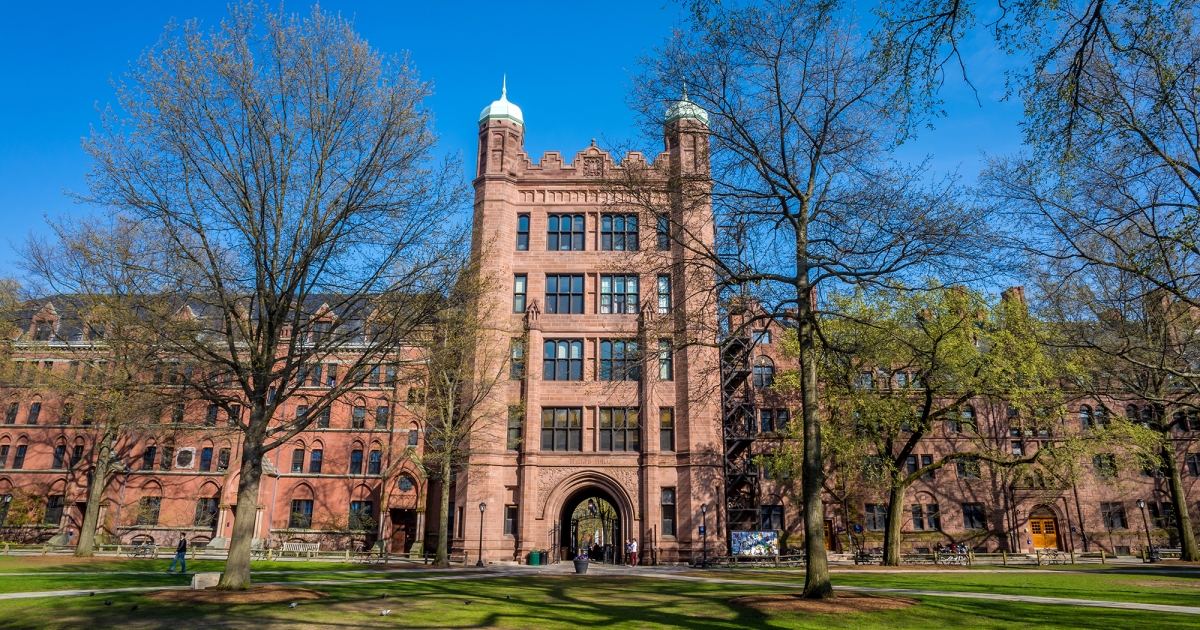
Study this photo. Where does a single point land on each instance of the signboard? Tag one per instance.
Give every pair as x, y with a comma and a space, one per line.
857, 528
701, 530
755, 543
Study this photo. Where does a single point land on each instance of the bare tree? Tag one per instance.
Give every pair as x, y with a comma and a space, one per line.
802, 116
283, 171
465, 355
1110, 204
112, 351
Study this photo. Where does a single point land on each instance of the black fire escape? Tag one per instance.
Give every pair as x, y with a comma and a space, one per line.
737, 405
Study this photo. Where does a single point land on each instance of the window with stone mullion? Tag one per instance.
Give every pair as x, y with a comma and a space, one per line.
562, 429
619, 360
564, 294
565, 232
619, 429
562, 360
619, 232
618, 295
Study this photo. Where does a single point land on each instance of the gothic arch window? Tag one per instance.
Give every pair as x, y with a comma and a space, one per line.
1086, 420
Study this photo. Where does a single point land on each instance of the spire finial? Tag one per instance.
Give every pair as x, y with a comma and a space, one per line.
504, 86
685, 92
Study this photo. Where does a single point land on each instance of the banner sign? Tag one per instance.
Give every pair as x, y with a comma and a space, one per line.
755, 543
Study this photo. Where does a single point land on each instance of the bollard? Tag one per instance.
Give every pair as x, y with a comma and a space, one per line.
970, 558
6, 549
1072, 556
935, 556
270, 553
1144, 555
1004, 557
1039, 556
347, 555
1102, 556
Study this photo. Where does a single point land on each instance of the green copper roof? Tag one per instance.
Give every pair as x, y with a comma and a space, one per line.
502, 109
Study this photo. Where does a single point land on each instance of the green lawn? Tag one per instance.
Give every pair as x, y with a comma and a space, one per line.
568, 601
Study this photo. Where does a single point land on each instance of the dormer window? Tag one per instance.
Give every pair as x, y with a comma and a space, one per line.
43, 330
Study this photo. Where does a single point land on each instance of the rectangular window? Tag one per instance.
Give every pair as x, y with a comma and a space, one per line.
177, 413
664, 294
562, 429
373, 376
618, 295
301, 516
148, 457
314, 375
413, 436
450, 520
358, 419
520, 289
1193, 464
974, 516
926, 517
968, 468
876, 517
235, 415
562, 360
514, 428
206, 459
3, 456
619, 429
772, 517
762, 337
147, 514
510, 520
1018, 449
619, 232
516, 364
1113, 515
210, 417
76, 454
323, 419
361, 515
522, 232
331, 375
381, 417
35, 410
666, 361
314, 461
375, 462
663, 234
564, 232
564, 294
68, 413
911, 464
223, 459
298, 460
89, 415
206, 512
10, 416
927, 460
668, 511
60, 457
1105, 465
19, 457
666, 430
619, 360
356, 457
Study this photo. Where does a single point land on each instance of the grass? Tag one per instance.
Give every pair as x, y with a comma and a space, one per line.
568, 601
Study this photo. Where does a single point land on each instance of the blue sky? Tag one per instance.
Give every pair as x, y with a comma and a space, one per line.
568, 65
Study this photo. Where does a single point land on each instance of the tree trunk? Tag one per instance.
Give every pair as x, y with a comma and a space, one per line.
237, 563
100, 477
816, 569
442, 558
891, 534
1183, 521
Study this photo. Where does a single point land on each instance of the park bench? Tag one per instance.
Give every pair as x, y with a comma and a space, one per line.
300, 548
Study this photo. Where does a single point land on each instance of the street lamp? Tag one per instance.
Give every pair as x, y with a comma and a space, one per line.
704, 530
1150, 555
482, 507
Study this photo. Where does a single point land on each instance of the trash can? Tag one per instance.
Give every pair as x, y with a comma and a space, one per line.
535, 558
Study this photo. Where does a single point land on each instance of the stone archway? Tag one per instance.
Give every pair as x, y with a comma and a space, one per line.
575, 488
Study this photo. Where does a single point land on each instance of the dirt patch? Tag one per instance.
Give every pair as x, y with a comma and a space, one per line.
841, 604
255, 595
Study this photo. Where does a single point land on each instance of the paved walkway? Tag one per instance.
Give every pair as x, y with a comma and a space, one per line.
662, 573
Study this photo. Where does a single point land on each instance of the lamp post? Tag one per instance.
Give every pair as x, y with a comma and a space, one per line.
1150, 555
704, 531
482, 507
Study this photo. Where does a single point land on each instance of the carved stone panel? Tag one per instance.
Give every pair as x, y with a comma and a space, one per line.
550, 478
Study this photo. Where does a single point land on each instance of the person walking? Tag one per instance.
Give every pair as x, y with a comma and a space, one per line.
180, 555
633, 552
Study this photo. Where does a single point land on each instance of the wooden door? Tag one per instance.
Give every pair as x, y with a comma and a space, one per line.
404, 530
1044, 532
828, 535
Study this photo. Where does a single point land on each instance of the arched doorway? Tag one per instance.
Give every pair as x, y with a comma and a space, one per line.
1043, 528
591, 523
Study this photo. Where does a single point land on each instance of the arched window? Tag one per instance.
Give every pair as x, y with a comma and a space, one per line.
764, 372
1148, 419
1131, 412
149, 505
1085, 417
302, 508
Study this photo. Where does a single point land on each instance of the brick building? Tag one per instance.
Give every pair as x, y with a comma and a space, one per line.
606, 406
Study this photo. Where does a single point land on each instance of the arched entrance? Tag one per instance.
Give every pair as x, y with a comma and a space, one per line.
590, 522
1043, 528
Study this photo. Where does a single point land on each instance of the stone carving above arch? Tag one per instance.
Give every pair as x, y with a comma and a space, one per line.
565, 480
